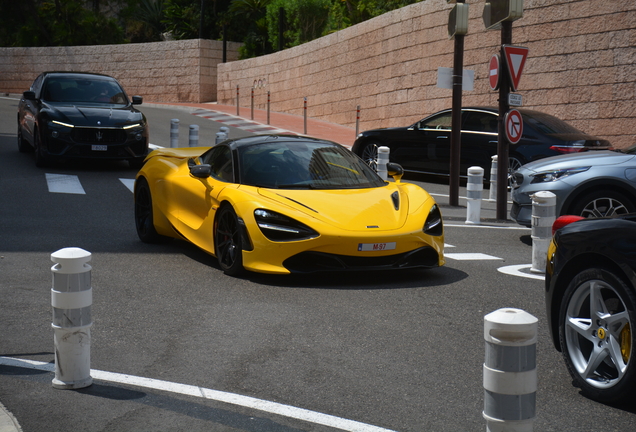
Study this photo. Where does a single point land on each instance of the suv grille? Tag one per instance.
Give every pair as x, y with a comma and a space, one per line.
99, 136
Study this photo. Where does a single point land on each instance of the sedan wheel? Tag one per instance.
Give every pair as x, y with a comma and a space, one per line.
370, 155
603, 204
40, 159
23, 146
143, 213
227, 241
595, 332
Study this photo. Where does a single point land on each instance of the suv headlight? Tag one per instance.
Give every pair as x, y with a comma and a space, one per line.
550, 176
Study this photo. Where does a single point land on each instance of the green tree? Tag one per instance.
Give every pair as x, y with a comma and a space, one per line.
305, 20
251, 15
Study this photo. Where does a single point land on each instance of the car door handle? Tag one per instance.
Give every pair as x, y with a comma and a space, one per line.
442, 137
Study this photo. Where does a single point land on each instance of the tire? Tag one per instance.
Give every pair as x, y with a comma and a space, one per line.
601, 204
369, 154
227, 241
596, 337
23, 146
40, 160
143, 213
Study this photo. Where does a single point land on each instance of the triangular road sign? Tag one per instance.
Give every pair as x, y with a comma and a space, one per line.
515, 59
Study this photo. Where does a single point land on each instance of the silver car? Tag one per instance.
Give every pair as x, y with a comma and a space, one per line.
589, 184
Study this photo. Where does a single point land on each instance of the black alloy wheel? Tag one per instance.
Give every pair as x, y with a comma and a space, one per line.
23, 146
595, 331
370, 155
227, 241
143, 213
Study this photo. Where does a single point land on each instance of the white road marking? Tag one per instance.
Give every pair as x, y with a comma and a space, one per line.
517, 270
62, 183
195, 391
470, 256
488, 226
129, 183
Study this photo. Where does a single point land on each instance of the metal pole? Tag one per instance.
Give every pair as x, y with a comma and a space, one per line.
357, 120
502, 144
268, 99
237, 99
252, 104
305, 114
456, 120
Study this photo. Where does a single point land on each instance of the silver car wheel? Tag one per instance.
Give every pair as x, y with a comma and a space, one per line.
604, 207
370, 155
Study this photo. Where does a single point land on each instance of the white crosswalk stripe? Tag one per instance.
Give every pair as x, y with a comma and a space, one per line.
63, 183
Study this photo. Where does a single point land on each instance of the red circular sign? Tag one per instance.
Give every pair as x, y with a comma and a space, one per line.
493, 72
513, 122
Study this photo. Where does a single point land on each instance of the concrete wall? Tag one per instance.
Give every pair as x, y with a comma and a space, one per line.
581, 67
171, 71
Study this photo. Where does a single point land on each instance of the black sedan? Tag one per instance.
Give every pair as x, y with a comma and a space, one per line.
424, 147
591, 303
69, 115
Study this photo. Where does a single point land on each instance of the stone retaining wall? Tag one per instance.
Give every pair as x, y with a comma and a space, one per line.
581, 67
171, 71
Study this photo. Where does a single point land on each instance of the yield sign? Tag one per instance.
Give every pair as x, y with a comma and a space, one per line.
516, 60
513, 123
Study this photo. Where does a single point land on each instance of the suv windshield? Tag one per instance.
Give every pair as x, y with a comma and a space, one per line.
304, 165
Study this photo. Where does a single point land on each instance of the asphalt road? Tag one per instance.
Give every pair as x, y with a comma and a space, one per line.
400, 351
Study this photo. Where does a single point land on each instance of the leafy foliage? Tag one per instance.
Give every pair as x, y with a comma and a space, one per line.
255, 23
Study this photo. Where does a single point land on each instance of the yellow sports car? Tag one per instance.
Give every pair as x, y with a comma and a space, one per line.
287, 204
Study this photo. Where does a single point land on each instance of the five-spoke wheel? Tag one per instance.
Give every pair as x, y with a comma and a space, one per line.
595, 332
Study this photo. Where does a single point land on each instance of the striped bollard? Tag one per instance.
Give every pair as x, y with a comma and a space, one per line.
193, 140
510, 370
493, 180
71, 300
383, 159
474, 188
543, 217
174, 133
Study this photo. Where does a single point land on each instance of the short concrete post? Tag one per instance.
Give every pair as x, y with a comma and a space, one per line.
71, 300
493, 179
174, 133
225, 130
383, 159
220, 137
543, 217
193, 140
510, 370
474, 188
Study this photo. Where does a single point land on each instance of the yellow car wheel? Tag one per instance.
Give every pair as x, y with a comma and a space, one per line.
227, 241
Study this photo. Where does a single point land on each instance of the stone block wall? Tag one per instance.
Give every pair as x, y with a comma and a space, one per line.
581, 67
171, 71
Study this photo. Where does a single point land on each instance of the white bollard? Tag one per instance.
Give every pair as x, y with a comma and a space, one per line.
510, 370
71, 300
383, 159
474, 188
220, 137
493, 179
193, 137
543, 217
225, 130
174, 133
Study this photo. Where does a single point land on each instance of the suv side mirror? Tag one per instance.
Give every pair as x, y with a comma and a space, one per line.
137, 100
29, 95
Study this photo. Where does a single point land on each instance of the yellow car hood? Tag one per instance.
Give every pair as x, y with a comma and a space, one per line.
347, 209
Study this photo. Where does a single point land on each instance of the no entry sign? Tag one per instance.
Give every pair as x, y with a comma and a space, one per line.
493, 72
513, 123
